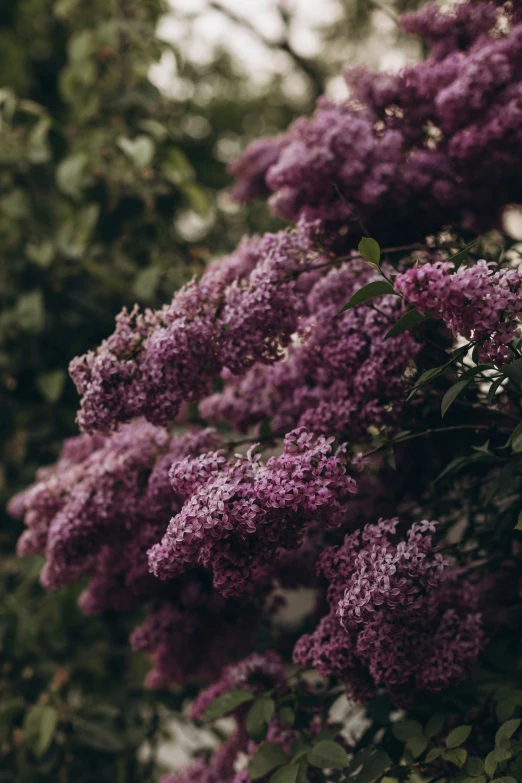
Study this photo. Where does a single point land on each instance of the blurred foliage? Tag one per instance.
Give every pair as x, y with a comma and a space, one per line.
110, 193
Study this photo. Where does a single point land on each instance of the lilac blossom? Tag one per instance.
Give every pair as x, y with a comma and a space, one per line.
237, 514
241, 312
337, 375
482, 305
399, 615
412, 152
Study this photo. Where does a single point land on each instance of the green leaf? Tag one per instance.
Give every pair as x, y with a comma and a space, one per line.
374, 765
140, 150
226, 703
458, 736
154, 128
15, 205
451, 395
370, 251
10, 709
513, 370
41, 254
38, 149
433, 754
287, 715
29, 311
493, 389
369, 291
50, 384
197, 197
518, 526
266, 758
176, 167
286, 774
490, 764
146, 282
416, 746
516, 438
507, 730
475, 767
457, 756
455, 465
97, 736
409, 319
327, 754
259, 715
70, 174
39, 727
435, 725
461, 256
501, 754
472, 371
506, 707
405, 730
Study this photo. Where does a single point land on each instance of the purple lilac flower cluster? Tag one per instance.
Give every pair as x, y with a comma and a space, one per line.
399, 616
97, 512
237, 514
476, 302
338, 376
409, 153
243, 311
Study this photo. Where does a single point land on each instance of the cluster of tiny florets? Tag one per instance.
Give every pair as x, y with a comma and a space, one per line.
241, 312
409, 152
238, 513
337, 376
399, 616
482, 305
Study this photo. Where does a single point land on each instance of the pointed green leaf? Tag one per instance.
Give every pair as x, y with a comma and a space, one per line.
493, 389
452, 394
50, 384
475, 767
259, 715
408, 320
368, 291
433, 754
457, 756
267, 757
39, 726
518, 526
226, 703
458, 736
435, 725
516, 438
461, 256
329, 755
407, 729
370, 251
286, 774
513, 370
507, 730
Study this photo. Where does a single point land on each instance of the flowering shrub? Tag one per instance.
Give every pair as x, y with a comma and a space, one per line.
340, 363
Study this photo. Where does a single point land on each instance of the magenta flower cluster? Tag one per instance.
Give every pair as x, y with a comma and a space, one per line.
399, 615
482, 305
243, 311
97, 512
338, 376
237, 514
411, 152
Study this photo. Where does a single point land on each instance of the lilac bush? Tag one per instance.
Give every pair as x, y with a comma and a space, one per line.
325, 371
